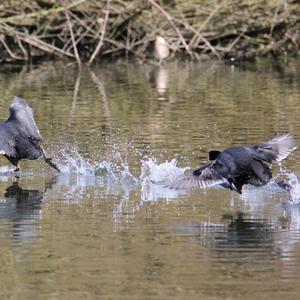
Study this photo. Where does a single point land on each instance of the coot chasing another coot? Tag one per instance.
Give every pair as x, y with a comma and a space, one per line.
20, 137
236, 166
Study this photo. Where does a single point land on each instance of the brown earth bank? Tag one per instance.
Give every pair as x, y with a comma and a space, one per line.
89, 30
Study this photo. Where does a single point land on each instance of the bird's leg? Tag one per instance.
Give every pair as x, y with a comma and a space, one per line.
16, 179
15, 162
48, 160
17, 169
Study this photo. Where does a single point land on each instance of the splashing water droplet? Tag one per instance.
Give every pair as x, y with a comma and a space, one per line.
154, 175
295, 188
74, 163
160, 173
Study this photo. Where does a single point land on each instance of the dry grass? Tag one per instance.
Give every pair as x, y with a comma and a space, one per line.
87, 30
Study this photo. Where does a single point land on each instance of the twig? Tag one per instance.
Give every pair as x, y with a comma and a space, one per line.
42, 13
22, 48
206, 42
36, 42
102, 34
119, 47
2, 40
88, 29
229, 47
274, 21
73, 39
206, 21
170, 20
73, 30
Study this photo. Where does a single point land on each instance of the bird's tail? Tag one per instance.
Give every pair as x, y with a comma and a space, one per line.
276, 149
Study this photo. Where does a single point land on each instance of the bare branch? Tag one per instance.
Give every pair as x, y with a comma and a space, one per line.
72, 37
36, 42
102, 34
170, 20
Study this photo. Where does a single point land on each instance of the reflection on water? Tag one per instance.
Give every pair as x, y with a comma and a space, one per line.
18, 207
20, 212
252, 235
106, 227
160, 78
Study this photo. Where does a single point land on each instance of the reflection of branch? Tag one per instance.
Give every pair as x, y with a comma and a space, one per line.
75, 95
102, 91
14, 85
170, 20
102, 35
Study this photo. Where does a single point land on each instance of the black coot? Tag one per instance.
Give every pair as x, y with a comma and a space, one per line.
237, 166
20, 137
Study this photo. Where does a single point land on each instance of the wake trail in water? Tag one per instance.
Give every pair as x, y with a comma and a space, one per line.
151, 170
79, 172
115, 174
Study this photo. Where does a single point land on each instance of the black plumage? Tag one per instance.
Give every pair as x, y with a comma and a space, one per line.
20, 137
236, 166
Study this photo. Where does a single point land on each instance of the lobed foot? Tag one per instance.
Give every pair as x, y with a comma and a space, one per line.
48, 160
17, 169
284, 185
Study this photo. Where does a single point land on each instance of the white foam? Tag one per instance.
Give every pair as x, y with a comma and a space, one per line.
295, 188
153, 177
160, 173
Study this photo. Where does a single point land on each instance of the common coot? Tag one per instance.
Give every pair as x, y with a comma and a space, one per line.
20, 137
236, 166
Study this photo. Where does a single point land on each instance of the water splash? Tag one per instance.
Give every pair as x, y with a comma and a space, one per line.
151, 172
154, 175
160, 173
6, 173
115, 176
75, 163
293, 181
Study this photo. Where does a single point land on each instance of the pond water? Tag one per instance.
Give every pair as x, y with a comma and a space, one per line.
107, 228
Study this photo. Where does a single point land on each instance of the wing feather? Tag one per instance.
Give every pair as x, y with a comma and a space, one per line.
276, 149
7, 141
203, 177
23, 114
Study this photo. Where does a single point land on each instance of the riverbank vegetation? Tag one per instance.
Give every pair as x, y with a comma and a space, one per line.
89, 30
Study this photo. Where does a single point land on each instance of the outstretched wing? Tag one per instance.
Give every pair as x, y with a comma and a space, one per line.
276, 149
203, 177
22, 113
7, 141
